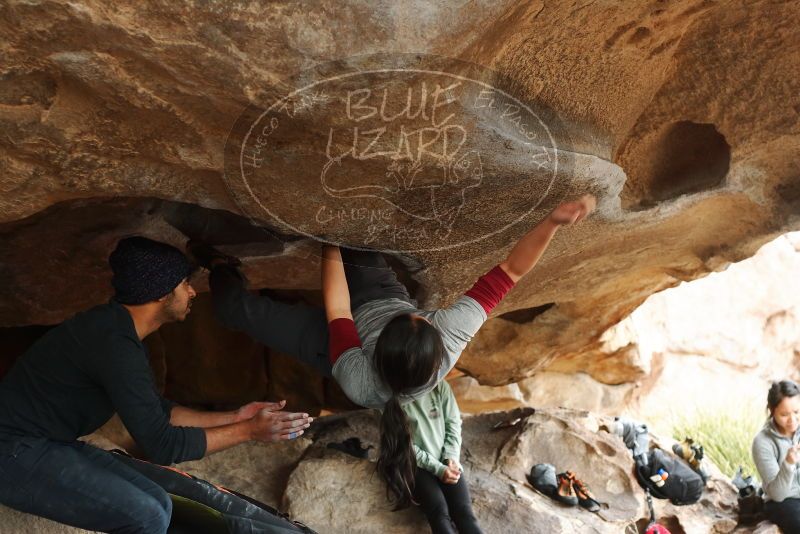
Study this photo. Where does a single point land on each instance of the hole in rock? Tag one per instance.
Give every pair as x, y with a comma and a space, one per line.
686, 157
526, 315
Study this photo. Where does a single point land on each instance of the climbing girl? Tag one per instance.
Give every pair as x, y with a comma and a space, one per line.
371, 337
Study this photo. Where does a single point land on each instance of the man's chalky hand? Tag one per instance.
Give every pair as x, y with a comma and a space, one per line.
271, 425
248, 411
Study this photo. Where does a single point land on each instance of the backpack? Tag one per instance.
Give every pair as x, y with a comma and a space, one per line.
682, 484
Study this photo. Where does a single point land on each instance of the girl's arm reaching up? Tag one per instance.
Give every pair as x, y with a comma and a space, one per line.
529, 249
490, 288
334, 285
341, 328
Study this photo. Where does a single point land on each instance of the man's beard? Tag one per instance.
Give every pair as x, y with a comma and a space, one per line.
173, 313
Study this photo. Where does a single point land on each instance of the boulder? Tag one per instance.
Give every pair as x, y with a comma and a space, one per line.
116, 121
496, 462
334, 492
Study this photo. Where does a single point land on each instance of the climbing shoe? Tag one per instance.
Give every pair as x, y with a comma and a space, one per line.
585, 499
565, 494
543, 478
204, 255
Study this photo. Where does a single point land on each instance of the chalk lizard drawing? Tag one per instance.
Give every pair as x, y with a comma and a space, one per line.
440, 200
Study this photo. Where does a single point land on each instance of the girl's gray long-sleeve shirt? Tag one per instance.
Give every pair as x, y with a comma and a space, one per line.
355, 370
779, 478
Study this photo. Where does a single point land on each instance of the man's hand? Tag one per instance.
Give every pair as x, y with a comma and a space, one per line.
573, 212
452, 473
248, 411
268, 425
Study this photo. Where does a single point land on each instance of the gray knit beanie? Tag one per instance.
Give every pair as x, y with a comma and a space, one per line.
146, 270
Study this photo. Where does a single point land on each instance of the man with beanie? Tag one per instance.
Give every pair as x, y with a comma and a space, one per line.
73, 379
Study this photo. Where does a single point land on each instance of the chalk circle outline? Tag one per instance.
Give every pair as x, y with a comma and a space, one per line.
287, 98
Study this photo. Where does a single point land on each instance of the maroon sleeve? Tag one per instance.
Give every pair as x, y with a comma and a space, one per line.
490, 288
343, 336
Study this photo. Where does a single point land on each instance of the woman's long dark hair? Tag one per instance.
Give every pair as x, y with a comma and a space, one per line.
408, 353
779, 391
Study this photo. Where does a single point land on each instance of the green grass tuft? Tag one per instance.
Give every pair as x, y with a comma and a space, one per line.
726, 434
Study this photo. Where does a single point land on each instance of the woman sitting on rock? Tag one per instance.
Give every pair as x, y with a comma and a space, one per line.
776, 452
371, 337
440, 487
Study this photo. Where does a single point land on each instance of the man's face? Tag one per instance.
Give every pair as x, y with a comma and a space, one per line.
178, 304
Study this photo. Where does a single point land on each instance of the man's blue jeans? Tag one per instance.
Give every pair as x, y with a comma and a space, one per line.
82, 486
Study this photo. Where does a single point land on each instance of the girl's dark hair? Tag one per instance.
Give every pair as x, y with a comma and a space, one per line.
408, 353
779, 391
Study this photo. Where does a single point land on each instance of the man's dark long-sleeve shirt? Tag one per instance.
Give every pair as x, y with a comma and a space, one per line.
73, 379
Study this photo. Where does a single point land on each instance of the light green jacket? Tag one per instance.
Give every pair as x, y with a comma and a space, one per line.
435, 423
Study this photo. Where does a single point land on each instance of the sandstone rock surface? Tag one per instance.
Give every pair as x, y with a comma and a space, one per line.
682, 117
334, 492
